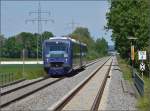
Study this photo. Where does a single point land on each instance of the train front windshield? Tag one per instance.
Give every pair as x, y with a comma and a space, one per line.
56, 50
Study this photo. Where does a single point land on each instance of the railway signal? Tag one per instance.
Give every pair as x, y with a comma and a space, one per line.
142, 66
142, 56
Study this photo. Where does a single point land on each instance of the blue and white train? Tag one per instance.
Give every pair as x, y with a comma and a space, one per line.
61, 55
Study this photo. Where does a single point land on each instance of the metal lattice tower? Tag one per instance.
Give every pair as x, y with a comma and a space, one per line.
39, 20
73, 25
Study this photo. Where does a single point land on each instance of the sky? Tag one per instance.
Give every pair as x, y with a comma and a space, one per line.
90, 14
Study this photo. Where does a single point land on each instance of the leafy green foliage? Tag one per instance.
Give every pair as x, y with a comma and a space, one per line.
84, 36
129, 18
101, 46
96, 48
13, 46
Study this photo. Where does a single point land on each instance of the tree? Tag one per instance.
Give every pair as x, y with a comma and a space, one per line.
2, 39
95, 49
2, 42
129, 18
101, 46
82, 34
13, 46
46, 35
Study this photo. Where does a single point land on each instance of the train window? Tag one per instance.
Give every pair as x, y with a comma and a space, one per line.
56, 47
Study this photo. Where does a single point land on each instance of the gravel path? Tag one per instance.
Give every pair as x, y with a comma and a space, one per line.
43, 99
114, 98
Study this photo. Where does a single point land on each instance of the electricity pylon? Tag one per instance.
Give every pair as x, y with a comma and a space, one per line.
39, 20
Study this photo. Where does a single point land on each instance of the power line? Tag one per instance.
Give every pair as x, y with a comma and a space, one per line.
39, 20
73, 25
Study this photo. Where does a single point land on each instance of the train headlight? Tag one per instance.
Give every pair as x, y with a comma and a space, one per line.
47, 59
66, 59
47, 55
65, 55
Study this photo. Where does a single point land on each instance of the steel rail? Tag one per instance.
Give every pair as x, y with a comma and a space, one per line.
100, 92
39, 80
33, 91
12, 83
60, 104
29, 93
21, 87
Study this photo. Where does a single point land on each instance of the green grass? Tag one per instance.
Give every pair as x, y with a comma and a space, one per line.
125, 68
30, 71
144, 102
18, 59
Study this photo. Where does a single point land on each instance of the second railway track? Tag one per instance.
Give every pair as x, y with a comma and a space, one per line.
24, 92
17, 93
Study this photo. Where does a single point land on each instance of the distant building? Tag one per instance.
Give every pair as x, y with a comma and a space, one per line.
111, 50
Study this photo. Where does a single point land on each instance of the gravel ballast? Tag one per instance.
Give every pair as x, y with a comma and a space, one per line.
46, 97
10, 87
114, 97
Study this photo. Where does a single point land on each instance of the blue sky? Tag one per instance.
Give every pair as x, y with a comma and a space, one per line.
90, 14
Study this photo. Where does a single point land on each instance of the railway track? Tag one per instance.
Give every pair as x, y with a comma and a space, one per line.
20, 92
76, 100
6, 90
17, 94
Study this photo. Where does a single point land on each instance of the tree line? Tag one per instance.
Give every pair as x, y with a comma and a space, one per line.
96, 48
130, 18
12, 47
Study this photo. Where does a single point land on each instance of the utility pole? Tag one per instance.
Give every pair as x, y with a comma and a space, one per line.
0, 54
39, 20
73, 25
132, 53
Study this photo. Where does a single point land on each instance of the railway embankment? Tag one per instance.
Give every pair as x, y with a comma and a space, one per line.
143, 103
119, 93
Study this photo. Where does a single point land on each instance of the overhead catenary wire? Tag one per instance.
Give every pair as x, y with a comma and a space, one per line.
73, 25
39, 21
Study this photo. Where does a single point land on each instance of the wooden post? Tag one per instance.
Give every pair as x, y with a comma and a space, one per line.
23, 57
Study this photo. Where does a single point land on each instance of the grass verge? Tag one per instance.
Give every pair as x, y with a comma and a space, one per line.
19, 59
125, 68
143, 103
30, 71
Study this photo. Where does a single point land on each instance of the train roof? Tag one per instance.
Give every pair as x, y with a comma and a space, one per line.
66, 38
